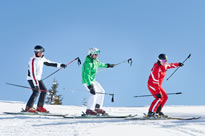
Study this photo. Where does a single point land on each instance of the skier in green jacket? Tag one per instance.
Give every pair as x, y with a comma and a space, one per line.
89, 71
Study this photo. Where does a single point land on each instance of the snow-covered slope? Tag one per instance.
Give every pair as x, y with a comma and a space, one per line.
19, 125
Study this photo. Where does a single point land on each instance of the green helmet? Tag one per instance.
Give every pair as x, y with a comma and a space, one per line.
93, 51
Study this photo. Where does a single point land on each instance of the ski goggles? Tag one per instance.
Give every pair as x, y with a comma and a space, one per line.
39, 50
96, 52
164, 61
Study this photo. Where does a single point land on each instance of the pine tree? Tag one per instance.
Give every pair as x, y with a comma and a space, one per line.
52, 97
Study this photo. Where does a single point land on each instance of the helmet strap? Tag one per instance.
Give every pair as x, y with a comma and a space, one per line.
36, 54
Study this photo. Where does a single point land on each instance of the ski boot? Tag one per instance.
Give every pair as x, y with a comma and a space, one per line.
28, 109
101, 112
162, 115
152, 115
90, 112
41, 109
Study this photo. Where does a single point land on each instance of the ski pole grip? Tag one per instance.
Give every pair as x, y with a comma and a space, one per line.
112, 100
179, 93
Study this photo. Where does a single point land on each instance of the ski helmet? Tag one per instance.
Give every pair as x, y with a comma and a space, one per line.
93, 51
38, 48
162, 57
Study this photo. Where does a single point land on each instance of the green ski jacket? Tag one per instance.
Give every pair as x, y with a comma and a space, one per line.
89, 70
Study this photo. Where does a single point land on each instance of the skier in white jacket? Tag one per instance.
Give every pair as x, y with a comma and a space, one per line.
35, 70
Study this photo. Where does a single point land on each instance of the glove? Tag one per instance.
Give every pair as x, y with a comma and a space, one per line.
159, 95
91, 88
63, 66
181, 64
110, 65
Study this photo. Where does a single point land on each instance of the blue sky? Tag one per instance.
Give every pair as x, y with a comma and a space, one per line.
121, 29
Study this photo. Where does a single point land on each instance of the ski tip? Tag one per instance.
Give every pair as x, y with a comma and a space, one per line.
197, 117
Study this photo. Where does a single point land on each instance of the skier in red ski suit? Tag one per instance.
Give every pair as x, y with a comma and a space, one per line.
156, 78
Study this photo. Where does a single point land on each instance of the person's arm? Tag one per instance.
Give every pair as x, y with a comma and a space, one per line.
102, 65
155, 76
33, 72
174, 65
87, 73
53, 64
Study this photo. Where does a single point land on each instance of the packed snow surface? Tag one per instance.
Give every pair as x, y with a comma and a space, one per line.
31, 125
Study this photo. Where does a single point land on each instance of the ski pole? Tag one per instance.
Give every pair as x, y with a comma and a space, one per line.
79, 62
129, 62
155, 95
25, 87
111, 94
179, 67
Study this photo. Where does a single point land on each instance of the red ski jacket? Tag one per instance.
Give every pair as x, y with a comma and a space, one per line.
158, 73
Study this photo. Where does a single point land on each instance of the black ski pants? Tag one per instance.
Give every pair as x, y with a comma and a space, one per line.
35, 93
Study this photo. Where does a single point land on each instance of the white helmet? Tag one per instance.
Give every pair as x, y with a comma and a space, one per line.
93, 51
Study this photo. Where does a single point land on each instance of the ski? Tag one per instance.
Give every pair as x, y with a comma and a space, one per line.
84, 116
168, 118
35, 113
185, 118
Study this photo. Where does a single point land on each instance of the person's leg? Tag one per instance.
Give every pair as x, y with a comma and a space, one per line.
33, 97
100, 97
159, 109
164, 98
42, 94
92, 100
156, 102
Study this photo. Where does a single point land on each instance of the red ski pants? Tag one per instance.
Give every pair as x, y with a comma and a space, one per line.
158, 102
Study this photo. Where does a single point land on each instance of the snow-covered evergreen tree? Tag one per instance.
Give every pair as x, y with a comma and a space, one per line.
52, 97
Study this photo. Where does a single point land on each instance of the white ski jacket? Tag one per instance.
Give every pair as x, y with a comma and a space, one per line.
35, 68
